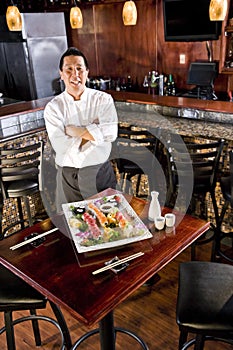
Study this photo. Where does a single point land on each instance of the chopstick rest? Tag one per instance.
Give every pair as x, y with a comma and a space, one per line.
118, 262
117, 268
16, 246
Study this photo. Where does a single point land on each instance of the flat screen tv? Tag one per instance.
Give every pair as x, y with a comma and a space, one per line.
188, 20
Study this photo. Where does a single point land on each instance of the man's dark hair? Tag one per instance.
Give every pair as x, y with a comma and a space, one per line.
72, 51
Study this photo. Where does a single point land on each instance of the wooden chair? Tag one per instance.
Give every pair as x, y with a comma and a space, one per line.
204, 303
20, 177
17, 295
135, 152
221, 250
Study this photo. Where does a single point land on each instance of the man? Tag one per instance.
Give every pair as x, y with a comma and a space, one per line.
81, 125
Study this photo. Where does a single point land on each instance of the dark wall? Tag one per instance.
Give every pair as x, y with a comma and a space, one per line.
117, 50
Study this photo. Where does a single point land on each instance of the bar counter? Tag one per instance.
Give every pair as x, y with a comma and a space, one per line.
23, 122
187, 116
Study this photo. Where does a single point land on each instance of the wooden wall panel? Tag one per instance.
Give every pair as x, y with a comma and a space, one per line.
85, 38
117, 50
125, 50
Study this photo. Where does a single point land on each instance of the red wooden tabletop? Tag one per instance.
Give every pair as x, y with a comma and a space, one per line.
65, 277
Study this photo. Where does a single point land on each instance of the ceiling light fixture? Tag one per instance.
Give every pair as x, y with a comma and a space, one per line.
13, 18
129, 13
76, 17
218, 10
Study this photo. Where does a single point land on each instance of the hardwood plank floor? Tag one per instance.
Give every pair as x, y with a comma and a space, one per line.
150, 312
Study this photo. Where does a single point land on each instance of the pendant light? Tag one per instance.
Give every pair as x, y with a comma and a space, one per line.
13, 18
129, 13
76, 17
218, 10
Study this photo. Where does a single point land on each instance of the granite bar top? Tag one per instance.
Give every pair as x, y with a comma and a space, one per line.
212, 119
185, 121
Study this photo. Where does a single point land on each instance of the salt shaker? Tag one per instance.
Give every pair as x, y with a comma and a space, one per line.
154, 208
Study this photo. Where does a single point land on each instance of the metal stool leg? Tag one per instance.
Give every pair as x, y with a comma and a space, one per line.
28, 209
36, 329
62, 323
10, 337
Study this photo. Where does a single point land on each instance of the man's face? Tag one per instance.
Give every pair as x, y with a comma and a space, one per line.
74, 74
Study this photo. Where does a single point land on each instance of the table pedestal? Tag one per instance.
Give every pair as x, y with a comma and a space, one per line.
107, 333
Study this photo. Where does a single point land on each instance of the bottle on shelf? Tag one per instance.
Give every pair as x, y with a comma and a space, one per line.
149, 82
173, 89
161, 85
170, 86
154, 82
129, 84
229, 55
145, 83
123, 84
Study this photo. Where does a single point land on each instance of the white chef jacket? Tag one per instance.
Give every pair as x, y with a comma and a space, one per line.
96, 111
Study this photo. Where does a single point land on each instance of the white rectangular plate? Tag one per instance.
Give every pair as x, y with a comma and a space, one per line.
120, 223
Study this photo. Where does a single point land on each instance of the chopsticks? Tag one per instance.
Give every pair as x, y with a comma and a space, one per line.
119, 262
33, 239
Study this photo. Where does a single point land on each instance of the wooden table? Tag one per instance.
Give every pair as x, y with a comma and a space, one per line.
65, 277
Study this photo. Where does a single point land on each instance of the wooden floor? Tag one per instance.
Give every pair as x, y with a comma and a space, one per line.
150, 312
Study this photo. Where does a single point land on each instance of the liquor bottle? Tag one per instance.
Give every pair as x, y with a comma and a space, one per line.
123, 84
161, 85
173, 89
154, 208
129, 83
169, 85
149, 82
154, 83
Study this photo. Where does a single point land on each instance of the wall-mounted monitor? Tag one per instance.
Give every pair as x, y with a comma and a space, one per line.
188, 20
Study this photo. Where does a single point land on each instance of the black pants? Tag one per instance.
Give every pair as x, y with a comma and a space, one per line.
79, 184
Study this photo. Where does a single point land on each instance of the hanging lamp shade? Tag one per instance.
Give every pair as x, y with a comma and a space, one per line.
218, 10
76, 18
129, 13
13, 18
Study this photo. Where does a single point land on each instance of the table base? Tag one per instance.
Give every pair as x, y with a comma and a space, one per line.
107, 333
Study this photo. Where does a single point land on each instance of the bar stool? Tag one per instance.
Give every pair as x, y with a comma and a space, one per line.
204, 158
17, 295
205, 303
20, 177
227, 192
135, 150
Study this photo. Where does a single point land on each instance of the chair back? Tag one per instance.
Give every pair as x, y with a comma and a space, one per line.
20, 164
135, 148
192, 164
206, 160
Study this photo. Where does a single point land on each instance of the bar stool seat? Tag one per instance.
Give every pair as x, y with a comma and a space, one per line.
17, 295
205, 303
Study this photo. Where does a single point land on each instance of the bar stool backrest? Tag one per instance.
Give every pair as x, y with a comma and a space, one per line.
135, 150
20, 177
19, 164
